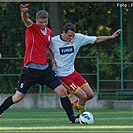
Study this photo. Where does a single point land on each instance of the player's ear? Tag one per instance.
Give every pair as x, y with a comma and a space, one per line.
63, 32
36, 21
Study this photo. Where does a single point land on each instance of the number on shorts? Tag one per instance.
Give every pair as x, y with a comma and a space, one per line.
73, 86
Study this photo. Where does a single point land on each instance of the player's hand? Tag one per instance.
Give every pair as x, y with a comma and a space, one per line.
24, 8
54, 68
116, 33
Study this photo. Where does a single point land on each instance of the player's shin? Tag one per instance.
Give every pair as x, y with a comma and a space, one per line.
81, 108
66, 104
67, 107
6, 104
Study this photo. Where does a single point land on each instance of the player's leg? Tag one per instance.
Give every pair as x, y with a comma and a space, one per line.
11, 100
89, 92
83, 84
70, 84
80, 81
52, 81
81, 102
25, 83
17, 97
6, 104
66, 104
74, 104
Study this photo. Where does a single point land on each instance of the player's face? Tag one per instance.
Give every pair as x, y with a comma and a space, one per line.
68, 36
42, 23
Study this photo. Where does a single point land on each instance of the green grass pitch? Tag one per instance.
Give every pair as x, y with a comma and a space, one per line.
56, 120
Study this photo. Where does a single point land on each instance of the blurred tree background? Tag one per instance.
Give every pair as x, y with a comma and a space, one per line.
90, 18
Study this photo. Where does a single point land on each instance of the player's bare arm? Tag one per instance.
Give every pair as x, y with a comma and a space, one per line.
104, 38
51, 56
25, 15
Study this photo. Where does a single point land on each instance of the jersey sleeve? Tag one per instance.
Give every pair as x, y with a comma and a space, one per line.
33, 28
84, 39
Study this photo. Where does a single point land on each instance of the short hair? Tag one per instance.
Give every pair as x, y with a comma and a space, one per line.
42, 14
69, 26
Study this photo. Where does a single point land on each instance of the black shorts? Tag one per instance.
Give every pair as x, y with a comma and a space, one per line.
31, 77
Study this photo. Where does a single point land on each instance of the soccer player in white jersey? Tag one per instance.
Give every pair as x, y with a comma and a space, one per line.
65, 48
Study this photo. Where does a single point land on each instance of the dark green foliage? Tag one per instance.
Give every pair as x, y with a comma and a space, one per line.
91, 18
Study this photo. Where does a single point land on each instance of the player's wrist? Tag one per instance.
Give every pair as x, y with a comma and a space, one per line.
24, 11
53, 61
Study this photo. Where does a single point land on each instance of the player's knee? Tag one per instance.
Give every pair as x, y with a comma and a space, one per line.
17, 99
90, 96
61, 91
83, 97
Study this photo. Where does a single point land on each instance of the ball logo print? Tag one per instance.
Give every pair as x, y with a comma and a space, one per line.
86, 118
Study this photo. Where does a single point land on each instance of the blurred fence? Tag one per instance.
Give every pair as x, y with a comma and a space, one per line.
114, 90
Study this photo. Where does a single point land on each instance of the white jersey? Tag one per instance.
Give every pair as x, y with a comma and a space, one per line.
65, 52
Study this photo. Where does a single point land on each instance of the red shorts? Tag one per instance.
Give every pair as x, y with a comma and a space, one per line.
73, 83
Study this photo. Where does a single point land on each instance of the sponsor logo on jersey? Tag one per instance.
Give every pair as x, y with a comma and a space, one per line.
66, 50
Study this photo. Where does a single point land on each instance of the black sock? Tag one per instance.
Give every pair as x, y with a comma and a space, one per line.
6, 104
66, 104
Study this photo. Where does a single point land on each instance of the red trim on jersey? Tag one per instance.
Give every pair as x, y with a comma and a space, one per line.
36, 45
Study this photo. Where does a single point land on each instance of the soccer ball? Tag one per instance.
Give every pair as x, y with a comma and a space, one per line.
86, 118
